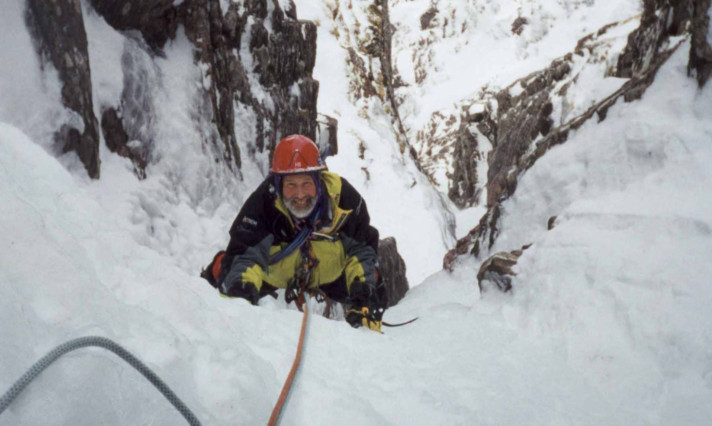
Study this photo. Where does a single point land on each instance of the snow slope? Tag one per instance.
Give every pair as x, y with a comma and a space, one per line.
608, 322
594, 333
624, 277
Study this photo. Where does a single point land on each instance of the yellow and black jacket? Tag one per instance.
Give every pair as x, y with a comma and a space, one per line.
344, 243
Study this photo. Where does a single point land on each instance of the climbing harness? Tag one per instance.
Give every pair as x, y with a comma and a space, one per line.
298, 242
321, 297
105, 343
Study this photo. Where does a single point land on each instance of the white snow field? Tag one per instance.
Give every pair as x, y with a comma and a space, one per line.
608, 321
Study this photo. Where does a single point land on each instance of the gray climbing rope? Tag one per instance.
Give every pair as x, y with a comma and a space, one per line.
105, 343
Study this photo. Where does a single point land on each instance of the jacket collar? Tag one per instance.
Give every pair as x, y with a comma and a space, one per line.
338, 216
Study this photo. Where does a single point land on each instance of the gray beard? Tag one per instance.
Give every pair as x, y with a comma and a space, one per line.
300, 213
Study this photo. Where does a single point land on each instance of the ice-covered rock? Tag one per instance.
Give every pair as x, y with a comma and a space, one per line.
60, 39
253, 59
155, 19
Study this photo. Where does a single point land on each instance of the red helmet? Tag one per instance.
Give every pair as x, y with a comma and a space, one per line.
296, 154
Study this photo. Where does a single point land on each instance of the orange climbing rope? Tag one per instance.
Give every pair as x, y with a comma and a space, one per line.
290, 378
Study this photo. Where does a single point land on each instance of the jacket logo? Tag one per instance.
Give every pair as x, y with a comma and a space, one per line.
249, 221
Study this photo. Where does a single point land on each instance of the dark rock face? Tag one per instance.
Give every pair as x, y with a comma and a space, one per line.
269, 78
373, 75
551, 223
643, 42
392, 269
155, 19
519, 24
519, 121
283, 63
510, 124
366, 87
465, 158
660, 19
117, 140
58, 32
203, 27
327, 132
426, 18
386, 57
701, 51
283, 59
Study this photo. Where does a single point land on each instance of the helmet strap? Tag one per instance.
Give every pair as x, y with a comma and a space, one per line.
277, 181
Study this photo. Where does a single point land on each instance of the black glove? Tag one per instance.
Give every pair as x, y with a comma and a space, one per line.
365, 317
245, 290
362, 294
367, 306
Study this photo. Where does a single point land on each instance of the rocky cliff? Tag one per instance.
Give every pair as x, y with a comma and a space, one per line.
58, 30
255, 58
364, 28
521, 122
248, 82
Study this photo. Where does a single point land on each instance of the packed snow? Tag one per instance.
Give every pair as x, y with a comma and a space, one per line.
608, 321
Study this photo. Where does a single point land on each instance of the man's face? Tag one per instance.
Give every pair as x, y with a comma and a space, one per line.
299, 194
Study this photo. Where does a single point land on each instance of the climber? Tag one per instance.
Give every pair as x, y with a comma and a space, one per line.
303, 218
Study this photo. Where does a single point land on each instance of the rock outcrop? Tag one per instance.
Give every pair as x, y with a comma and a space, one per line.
268, 77
523, 121
392, 270
381, 48
497, 270
369, 41
327, 135
701, 50
156, 20
470, 148
119, 142
659, 20
256, 61
58, 32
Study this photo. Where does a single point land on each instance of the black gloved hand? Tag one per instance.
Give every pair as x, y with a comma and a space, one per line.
354, 318
363, 294
365, 317
242, 289
366, 306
